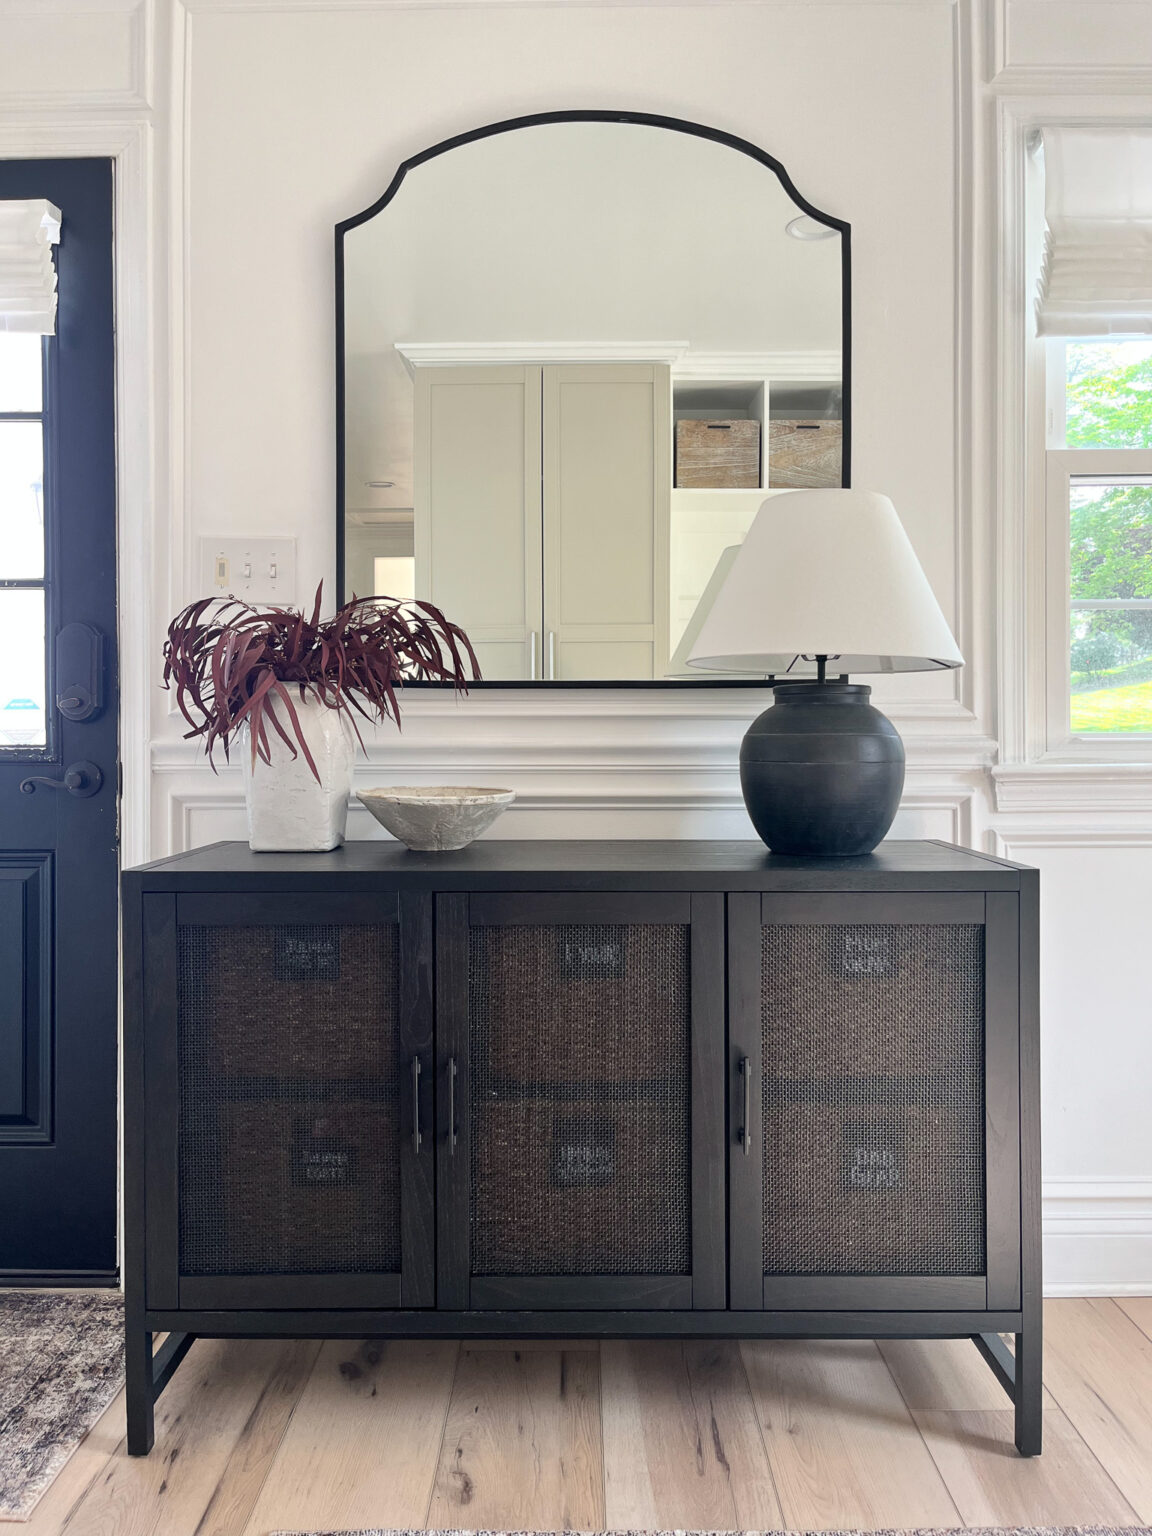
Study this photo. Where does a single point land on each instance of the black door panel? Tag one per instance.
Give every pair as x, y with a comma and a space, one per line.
58, 858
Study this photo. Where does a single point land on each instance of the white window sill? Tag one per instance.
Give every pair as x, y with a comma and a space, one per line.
1077, 784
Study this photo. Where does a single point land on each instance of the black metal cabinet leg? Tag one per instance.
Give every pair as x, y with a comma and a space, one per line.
139, 1393
1029, 1393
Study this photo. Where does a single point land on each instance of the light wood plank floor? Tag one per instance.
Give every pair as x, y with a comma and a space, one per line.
258, 1436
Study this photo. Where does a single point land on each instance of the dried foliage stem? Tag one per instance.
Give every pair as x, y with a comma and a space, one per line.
231, 665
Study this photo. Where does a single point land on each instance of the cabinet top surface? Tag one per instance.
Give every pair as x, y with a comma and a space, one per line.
712, 865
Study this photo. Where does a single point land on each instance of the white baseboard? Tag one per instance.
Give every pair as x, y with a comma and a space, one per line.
1098, 1237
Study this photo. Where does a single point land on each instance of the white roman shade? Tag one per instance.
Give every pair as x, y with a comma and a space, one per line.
28, 231
1097, 275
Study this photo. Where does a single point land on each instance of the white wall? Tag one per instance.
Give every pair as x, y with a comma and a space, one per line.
246, 128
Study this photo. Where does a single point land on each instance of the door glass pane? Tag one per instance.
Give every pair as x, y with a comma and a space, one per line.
20, 372
1108, 394
22, 669
1111, 619
21, 500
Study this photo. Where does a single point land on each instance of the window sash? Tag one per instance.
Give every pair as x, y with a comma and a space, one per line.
1063, 466
31, 751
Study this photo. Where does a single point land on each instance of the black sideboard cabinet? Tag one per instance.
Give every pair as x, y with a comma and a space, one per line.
606, 1088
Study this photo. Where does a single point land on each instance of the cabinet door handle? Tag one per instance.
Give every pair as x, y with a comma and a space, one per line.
532, 639
746, 1128
551, 655
416, 1136
452, 1106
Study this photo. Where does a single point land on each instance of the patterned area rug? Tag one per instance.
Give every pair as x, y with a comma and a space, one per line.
61, 1364
1015, 1530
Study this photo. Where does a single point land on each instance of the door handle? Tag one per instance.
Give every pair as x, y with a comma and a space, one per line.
532, 639
746, 1128
551, 655
452, 1074
417, 1138
80, 779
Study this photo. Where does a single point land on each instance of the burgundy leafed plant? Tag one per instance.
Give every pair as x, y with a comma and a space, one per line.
227, 661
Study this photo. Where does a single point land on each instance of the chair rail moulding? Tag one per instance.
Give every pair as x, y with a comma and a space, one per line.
437, 711
533, 734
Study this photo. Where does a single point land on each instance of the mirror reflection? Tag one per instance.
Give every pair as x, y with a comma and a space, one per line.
576, 356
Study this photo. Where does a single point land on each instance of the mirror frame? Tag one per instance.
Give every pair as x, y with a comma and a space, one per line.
534, 120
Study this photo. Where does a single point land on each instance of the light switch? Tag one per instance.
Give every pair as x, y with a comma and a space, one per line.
255, 570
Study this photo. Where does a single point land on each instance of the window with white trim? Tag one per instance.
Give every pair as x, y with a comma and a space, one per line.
1099, 513
1095, 309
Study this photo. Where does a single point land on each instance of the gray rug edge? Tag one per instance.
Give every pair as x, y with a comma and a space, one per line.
51, 1468
18, 1501
986, 1530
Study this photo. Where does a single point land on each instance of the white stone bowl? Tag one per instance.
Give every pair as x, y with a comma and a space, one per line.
436, 818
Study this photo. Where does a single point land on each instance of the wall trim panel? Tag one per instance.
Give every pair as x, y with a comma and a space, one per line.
1117, 72
135, 21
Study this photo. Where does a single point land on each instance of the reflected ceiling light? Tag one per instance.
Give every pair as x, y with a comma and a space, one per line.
808, 228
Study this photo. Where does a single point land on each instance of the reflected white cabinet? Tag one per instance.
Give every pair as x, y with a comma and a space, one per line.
542, 514
477, 508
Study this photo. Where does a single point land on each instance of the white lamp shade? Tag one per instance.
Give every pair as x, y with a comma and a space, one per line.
827, 573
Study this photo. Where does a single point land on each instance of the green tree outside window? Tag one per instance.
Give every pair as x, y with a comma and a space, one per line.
1109, 405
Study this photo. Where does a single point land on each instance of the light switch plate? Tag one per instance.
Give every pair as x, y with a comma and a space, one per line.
255, 570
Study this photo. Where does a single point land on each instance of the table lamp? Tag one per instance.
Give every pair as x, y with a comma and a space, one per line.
825, 584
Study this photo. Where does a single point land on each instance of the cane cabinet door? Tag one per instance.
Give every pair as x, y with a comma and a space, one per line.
580, 1081
288, 1092
874, 1084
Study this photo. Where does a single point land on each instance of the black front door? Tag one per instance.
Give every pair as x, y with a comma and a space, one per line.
58, 768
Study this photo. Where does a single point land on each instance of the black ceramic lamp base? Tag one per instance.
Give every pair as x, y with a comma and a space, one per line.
822, 771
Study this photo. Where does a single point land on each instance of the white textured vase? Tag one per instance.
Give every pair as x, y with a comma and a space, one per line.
288, 811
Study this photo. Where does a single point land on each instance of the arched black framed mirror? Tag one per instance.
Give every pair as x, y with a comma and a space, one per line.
575, 352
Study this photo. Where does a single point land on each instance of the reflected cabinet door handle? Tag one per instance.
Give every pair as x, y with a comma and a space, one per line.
532, 638
552, 655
